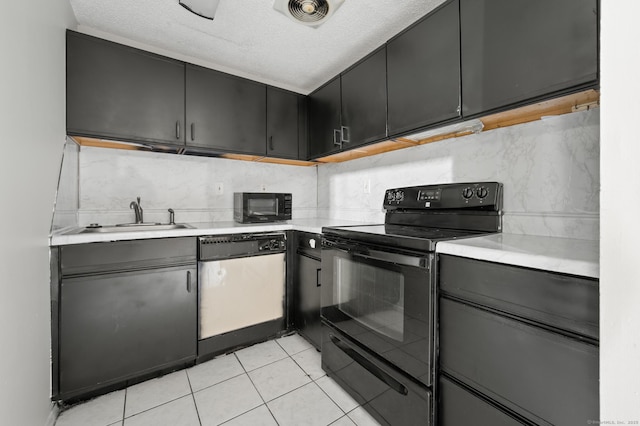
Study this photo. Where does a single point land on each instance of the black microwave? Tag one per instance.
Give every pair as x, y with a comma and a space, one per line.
256, 207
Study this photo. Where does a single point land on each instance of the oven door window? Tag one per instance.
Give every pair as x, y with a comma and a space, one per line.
371, 295
262, 206
384, 302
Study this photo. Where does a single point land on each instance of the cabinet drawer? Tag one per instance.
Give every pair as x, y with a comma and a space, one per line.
561, 301
126, 255
543, 376
476, 411
389, 396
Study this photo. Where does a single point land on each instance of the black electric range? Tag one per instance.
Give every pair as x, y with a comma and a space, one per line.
379, 295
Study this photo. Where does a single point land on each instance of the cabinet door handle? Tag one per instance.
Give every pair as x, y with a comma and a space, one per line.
188, 281
271, 143
318, 284
193, 131
344, 135
178, 129
337, 137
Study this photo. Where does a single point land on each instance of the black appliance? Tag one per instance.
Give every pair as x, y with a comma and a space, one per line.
258, 207
379, 295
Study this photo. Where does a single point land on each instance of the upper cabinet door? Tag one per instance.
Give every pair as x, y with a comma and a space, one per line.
225, 112
122, 93
364, 101
282, 123
423, 72
324, 119
514, 51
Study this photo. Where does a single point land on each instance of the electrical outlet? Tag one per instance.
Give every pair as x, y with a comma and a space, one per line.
219, 188
366, 186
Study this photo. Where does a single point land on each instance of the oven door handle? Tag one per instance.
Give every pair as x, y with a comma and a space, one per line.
379, 255
369, 366
396, 258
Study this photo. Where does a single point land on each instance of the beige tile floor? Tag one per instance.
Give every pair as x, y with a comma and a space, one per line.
279, 382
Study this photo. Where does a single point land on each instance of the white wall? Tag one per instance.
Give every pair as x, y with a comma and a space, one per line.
32, 118
550, 171
620, 213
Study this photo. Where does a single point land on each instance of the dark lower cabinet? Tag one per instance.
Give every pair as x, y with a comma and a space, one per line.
515, 51
306, 290
460, 407
122, 317
122, 93
423, 72
225, 112
505, 355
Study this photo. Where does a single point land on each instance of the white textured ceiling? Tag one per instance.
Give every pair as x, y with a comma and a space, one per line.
251, 39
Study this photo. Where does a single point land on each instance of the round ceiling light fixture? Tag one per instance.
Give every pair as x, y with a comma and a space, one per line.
308, 12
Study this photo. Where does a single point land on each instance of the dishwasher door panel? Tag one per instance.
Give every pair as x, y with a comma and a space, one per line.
238, 293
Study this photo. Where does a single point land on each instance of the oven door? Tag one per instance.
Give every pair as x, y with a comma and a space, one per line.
383, 300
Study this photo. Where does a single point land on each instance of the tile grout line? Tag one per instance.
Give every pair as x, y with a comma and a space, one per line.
254, 386
124, 406
193, 397
159, 405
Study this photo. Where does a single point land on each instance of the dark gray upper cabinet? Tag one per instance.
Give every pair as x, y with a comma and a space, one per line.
351, 109
225, 112
282, 123
122, 93
423, 72
324, 119
514, 51
364, 101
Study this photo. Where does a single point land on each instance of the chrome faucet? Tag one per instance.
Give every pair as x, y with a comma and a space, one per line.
172, 217
137, 209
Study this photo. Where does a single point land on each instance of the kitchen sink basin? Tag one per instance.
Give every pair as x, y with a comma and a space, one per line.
132, 227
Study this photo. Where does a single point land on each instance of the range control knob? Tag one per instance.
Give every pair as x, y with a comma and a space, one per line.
399, 195
390, 196
482, 192
467, 193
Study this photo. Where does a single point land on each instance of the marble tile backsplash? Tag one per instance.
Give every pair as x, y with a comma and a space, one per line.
110, 179
549, 168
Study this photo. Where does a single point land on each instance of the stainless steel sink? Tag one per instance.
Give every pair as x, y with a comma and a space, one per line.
132, 227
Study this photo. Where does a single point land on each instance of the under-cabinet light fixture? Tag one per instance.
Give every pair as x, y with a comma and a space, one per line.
466, 127
203, 8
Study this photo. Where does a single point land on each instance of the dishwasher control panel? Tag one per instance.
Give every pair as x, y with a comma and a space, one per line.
216, 247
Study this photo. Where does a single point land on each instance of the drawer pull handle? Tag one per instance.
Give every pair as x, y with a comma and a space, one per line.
188, 281
369, 366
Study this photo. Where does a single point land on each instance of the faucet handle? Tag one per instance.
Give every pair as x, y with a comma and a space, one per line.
138, 200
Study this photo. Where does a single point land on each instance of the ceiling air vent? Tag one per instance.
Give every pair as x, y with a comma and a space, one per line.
307, 12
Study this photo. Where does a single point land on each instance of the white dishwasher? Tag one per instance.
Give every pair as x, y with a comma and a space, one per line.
241, 290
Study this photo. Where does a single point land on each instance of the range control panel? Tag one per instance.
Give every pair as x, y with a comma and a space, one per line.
485, 195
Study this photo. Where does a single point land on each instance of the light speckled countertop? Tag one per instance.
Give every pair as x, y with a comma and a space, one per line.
564, 255
69, 236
